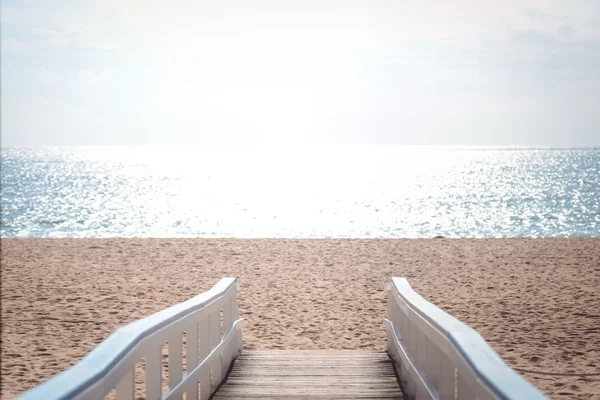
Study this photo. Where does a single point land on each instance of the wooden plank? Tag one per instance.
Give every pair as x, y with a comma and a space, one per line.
364, 361
312, 396
339, 378
277, 374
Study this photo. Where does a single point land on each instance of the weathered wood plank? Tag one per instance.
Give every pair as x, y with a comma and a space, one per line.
304, 396
277, 374
303, 379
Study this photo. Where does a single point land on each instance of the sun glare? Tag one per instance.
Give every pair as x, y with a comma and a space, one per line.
276, 87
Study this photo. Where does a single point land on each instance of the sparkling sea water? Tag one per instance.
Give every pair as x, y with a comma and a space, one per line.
300, 192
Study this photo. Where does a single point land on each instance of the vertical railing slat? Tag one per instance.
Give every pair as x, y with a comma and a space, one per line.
205, 389
228, 352
446, 377
466, 387
421, 349
392, 318
126, 388
191, 358
215, 338
411, 385
175, 358
203, 350
154, 373
227, 313
236, 316
204, 338
432, 363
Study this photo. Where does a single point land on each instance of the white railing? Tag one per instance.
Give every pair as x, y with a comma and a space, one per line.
439, 357
213, 340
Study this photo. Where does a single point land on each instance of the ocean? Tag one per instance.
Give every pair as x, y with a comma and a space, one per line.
300, 192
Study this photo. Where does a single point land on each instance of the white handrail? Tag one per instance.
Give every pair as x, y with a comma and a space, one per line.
439, 357
112, 363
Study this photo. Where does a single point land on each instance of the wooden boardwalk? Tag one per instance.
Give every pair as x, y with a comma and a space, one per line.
310, 375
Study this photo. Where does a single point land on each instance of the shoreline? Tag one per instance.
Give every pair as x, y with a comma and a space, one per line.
534, 301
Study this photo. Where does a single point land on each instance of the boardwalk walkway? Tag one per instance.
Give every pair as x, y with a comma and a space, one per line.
314, 375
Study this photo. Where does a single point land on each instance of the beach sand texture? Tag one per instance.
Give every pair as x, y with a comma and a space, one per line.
536, 301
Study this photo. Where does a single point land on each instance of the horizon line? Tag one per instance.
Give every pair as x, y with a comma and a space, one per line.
286, 145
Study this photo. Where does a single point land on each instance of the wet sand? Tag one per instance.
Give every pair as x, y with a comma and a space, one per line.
536, 301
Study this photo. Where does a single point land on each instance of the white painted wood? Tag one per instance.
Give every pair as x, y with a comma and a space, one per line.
197, 373
191, 346
411, 339
447, 377
95, 391
411, 385
154, 373
203, 351
191, 388
205, 389
228, 353
440, 357
466, 387
391, 308
175, 358
422, 393
432, 363
215, 338
191, 358
227, 314
411, 376
203, 339
420, 354
482, 392
236, 316
121, 368
112, 363
126, 388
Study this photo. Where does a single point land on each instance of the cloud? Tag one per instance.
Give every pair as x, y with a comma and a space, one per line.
46, 76
65, 23
17, 47
53, 38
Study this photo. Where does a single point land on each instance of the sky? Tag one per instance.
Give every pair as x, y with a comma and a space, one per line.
461, 72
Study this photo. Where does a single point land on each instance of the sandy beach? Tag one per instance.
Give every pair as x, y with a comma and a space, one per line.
536, 301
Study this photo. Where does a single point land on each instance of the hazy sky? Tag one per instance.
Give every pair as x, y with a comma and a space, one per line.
510, 72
